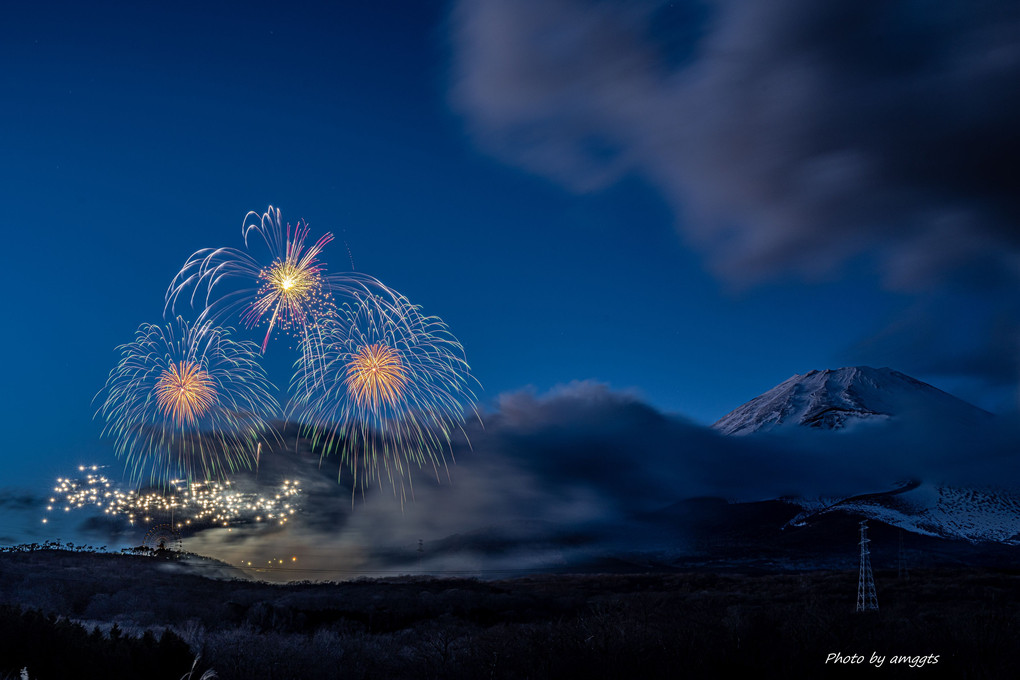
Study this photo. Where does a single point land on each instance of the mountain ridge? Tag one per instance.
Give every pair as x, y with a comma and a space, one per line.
843, 398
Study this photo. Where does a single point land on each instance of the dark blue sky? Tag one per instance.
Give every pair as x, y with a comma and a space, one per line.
656, 196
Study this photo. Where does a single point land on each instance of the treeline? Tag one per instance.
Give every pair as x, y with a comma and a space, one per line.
53, 545
83, 548
48, 647
600, 626
691, 626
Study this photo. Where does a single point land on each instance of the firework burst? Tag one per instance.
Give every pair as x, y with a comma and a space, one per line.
187, 399
185, 391
385, 388
278, 280
376, 377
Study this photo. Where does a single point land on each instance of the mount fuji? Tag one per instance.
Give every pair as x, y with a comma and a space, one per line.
845, 398
852, 398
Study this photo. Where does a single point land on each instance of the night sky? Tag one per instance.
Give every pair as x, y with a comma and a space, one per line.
687, 202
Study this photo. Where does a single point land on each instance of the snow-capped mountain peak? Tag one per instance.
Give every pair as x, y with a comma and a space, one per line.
840, 398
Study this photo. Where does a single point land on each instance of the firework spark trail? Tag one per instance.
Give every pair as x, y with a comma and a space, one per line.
385, 388
186, 504
277, 279
187, 399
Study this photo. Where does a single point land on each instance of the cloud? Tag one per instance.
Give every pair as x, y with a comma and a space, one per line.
20, 514
552, 478
791, 135
16, 499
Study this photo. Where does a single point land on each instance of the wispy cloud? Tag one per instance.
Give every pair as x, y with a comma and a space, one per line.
791, 138
17, 499
550, 474
794, 134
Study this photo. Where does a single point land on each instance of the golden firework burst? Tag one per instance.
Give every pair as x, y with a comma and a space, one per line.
376, 376
291, 281
277, 281
292, 293
187, 400
184, 392
384, 387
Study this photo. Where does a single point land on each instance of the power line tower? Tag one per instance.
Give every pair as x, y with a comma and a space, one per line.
867, 599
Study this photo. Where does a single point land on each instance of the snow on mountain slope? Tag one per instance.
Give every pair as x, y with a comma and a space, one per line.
846, 398
841, 398
935, 510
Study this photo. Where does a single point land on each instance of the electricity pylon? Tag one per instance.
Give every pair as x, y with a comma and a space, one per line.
867, 599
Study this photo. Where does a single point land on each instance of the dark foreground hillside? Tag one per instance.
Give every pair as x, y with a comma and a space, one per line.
80, 615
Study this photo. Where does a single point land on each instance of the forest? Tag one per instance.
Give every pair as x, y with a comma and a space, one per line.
83, 614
